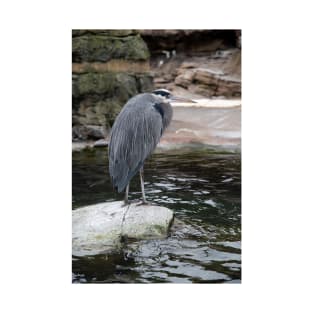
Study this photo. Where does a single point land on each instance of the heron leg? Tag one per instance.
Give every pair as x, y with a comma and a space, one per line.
126, 194
142, 187
126, 200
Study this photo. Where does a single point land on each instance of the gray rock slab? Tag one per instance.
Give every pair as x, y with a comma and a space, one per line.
100, 228
101, 143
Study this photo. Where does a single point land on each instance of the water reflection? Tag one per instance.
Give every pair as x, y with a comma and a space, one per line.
203, 187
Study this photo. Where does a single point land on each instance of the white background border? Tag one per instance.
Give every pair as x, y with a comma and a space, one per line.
35, 123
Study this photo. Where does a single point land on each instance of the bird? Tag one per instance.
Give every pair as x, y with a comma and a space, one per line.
135, 134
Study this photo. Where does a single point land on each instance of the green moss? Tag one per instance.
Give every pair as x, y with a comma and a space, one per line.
119, 85
75, 91
107, 111
95, 83
159, 229
99, 97
101, 48
144, 82
107, 32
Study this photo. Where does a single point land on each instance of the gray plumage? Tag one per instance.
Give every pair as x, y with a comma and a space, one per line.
135, 134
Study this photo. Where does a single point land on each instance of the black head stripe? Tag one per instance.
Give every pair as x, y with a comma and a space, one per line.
159, 108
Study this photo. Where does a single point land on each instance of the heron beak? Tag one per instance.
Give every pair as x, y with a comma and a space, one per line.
181, 100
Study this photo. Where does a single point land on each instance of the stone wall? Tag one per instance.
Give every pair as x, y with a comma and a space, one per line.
108, 67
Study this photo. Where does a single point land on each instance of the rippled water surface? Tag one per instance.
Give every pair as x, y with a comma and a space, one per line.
202, 186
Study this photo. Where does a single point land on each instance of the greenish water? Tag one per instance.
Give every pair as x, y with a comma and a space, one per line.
202, 186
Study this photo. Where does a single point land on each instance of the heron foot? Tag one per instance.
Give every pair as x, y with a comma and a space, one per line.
144, 202
128, 202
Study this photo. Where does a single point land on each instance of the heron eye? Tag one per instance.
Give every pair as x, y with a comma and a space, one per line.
162, 93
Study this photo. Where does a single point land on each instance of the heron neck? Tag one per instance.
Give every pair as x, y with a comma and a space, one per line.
168, 113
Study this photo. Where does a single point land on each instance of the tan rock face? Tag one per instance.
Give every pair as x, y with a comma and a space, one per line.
111, 66
218, 76
203, 62
185, 77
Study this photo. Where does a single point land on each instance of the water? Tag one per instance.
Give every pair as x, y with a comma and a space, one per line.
202, 186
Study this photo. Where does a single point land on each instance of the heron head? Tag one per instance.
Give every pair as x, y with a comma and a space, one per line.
167, 96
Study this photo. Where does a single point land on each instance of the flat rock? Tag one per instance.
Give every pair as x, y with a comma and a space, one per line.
101, 143
101, 228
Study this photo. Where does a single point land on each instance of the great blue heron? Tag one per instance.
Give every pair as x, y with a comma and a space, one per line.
135, 134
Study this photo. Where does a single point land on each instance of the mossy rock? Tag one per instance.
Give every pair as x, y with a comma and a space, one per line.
102, 48
75, 90
95, 83
107, 111
94, 112
144, 82
119, 85
99, 97
107, 32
